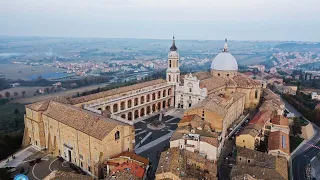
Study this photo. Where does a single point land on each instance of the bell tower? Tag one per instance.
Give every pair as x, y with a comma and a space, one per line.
173, 72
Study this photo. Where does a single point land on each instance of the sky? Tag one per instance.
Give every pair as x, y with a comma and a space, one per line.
159, 19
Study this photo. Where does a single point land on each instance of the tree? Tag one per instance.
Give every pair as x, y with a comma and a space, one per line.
16, 111
23, 93
296, 127
15, 94
7, 94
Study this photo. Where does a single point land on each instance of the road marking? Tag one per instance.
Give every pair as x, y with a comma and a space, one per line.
173, 123
33, 172
51, 164
140, 133
170, 119
143, 140
153, 143
139, 129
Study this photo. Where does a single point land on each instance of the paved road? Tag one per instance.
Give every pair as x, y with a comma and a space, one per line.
305, 153
300, 162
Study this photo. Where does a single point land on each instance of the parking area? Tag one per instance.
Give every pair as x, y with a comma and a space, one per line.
40, 168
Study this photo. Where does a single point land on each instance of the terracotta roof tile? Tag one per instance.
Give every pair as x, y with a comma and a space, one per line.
280, 120
279, 141
111, 92
90, 123
133, 156
244, 81
262, 166
212, 83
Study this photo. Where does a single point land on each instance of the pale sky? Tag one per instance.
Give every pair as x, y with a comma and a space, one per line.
160, 19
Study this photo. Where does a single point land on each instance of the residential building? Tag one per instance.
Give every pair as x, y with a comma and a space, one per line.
259, 165
181, 164
126, 164
196, 136
279, 144
254, 132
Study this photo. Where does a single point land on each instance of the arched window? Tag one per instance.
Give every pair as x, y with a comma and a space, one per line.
256, 94
169, 78
218, 74
117, 135
170, 63
227, 75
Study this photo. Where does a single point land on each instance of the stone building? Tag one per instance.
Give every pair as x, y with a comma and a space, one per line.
255, 131
81, 137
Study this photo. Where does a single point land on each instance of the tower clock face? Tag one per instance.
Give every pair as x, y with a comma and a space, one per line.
190, 84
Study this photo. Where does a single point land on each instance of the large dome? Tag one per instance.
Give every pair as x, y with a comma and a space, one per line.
224, 61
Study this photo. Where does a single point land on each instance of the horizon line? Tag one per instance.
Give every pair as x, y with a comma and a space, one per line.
183, 39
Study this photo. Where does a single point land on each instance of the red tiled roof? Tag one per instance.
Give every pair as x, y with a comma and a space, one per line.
280, 120
132, 168
261, 117
279, 141
133, 156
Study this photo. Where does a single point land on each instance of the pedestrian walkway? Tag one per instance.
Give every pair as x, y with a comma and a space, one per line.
143, 140
153, 143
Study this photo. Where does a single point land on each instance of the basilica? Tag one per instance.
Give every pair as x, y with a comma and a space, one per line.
89, 129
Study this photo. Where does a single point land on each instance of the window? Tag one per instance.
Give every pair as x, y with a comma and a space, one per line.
189, 97
36, 142
243, 140
218, 74
189, 104
256, 94
240, 159
89, 168
117, 135
244, 146
170, 63
190, 90
248, 160
227, 75
81, 164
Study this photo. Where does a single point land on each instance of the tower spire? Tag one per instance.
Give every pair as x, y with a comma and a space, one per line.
173, 47
225, 47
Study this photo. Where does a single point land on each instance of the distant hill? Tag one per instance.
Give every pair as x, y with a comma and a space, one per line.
297, 46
